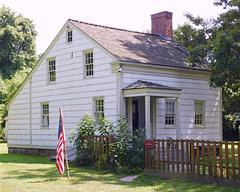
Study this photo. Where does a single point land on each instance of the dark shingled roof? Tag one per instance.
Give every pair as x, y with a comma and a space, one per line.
145, 84
136, 47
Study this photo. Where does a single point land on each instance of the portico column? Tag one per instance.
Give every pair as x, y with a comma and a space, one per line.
130, 118
178, 123
147, 117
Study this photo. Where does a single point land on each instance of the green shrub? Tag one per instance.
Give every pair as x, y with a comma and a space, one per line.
136, 152
103, 162
104, 127
127, 152
84, 154
231, 127
85, 126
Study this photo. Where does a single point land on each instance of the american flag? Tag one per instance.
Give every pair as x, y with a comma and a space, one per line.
60, 145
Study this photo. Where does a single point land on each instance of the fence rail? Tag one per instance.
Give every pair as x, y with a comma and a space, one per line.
98, 144
211, 158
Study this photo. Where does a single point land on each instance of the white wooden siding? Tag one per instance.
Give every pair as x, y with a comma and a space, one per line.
72, 91
195, 86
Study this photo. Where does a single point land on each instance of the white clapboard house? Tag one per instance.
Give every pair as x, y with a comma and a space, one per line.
109, 71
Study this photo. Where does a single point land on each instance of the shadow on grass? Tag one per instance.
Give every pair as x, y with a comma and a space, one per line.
159, 184
21, 158
42, 175
85, 175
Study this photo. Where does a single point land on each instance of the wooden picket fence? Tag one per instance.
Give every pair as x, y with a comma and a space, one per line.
99, 144
200, 160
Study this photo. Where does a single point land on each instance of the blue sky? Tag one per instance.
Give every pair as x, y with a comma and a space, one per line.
50, 15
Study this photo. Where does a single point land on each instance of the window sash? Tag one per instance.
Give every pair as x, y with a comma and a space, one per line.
69, 36
170, 113
99, 108
199, 114
52, 70
89, 64
45, 115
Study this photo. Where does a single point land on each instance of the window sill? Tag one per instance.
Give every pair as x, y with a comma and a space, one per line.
170, 127
44, 127
199, 126
89, 77
52, 83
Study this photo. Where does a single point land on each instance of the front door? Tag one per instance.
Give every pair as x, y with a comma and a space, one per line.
135, 116
136, 107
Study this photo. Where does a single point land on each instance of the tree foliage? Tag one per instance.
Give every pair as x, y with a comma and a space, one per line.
8, 89
215, 42
17, 43
17, 55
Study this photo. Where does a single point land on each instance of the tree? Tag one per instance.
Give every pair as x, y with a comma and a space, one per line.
8, 89
17, 43
17, 55
216, 42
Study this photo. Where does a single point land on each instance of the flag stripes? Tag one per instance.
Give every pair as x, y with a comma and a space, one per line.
60, 145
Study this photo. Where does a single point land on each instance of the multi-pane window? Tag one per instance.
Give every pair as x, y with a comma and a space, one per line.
52, 70
170, 113
89, 64
99, 108
69, 36
199, 112
45, 115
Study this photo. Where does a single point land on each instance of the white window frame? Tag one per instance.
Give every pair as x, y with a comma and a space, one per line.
88, 63
98, 107
199, 113
51, 70
69, 36
45, 112
170, 113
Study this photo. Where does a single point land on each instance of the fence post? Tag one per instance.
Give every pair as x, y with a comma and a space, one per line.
168, 164
163, 154
146, 157
192, 156
227, 159
182, 155
177, 153
198, 156
172, 149
214, 158
203, 156
209, 158
187, 154
233, 160
220, 159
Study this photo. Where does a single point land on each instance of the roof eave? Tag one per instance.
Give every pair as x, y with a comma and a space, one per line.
159, 66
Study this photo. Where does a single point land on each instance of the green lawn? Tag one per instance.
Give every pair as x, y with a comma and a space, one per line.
34, 173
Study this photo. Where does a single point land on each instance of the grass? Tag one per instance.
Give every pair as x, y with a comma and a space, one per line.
24, 173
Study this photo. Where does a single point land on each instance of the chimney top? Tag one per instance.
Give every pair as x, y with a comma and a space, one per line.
162, 24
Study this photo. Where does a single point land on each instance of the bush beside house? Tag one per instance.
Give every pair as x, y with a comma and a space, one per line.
127, 151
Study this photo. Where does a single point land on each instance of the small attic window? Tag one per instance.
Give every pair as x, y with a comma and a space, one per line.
69, 34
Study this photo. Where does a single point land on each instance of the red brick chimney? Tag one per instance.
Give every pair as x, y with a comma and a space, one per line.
162, 24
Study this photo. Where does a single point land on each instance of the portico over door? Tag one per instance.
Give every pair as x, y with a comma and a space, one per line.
141, 105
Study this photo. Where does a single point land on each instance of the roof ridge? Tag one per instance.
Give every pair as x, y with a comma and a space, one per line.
115, 28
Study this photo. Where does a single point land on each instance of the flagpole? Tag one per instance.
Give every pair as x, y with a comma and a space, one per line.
65, 150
